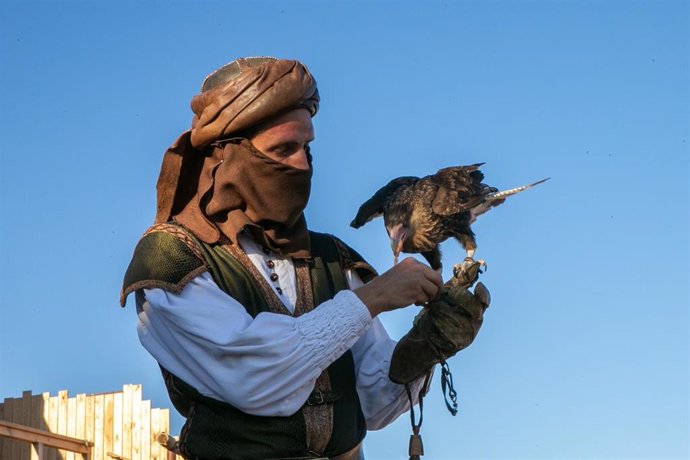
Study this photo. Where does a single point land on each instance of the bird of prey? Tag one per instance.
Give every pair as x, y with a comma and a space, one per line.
419, 214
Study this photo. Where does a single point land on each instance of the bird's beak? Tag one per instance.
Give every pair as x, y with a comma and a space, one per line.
397, 236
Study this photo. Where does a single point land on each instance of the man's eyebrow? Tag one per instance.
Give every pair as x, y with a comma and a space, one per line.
290, 142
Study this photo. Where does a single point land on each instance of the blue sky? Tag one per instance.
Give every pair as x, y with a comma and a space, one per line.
584, 352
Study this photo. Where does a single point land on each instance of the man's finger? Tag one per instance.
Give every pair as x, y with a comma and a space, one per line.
482, 293
430, 289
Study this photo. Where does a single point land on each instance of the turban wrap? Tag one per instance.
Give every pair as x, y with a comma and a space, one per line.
215, 183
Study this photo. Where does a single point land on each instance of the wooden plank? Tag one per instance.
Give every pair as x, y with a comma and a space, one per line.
4, 443
62, 418
37, 450
71, 423
98, 447
31, 435
165, 428
117, 423
127, 421
2, 417
136, 422
62, 412
145, 425
108, 422
37, 421
26, 408
90, 419
39, 411
52, 419
7, 415
155, 431
25, 449
42, 414
16, 418
9, 409
81, 416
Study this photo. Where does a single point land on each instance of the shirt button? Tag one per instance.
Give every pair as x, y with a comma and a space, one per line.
270, 264
274, 277
280, 291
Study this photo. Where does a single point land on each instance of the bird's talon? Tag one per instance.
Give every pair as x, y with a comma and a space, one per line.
467, 272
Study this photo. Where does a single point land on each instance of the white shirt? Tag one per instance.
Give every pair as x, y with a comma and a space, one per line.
267, 365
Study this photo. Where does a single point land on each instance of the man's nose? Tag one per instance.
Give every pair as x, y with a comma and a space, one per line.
300, 160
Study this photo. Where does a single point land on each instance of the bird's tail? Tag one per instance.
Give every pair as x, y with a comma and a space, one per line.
503, 194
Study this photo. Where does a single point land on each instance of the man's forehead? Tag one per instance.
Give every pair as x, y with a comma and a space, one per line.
294, 121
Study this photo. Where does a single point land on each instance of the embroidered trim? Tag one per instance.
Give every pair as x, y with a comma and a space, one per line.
180, 233
175, 288
275, 305
318, 419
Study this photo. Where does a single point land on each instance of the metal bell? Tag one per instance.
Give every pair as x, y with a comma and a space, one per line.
416, 449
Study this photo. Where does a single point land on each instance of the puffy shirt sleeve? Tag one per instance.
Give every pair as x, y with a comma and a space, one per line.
265, 365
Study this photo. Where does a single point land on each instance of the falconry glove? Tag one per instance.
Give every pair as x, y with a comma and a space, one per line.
444, 327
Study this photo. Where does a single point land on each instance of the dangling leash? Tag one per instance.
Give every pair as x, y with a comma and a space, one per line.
416, 448
447, 384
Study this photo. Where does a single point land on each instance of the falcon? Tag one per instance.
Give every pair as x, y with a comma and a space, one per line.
419, 214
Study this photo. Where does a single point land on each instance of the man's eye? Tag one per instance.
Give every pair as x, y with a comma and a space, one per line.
281, 151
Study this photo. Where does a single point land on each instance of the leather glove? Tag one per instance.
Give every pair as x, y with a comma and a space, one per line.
444, 327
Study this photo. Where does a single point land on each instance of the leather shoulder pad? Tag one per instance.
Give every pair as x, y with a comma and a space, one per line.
166, 257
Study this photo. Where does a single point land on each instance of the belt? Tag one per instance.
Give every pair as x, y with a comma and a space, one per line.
355, 453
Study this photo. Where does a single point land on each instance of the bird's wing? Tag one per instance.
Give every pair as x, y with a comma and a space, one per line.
373, 207
460, 188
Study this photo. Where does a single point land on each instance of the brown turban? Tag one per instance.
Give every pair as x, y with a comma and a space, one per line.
216, 184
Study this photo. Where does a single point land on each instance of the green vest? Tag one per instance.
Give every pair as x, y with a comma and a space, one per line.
168, 257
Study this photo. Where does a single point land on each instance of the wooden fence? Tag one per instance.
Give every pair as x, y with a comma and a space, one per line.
119, 425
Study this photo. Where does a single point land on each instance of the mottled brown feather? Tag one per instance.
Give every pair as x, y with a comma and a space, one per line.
432, 209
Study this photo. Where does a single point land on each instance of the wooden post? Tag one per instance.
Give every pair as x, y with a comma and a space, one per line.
26, 420
145, 430
37, 450
136, 422
81, 416
127, 421
71, 423
117, 424
98, 447
62, 419
52, 419
17, 418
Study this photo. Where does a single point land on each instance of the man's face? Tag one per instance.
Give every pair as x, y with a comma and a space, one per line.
286, 138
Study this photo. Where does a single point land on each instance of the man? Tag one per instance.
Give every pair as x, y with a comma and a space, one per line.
266, 333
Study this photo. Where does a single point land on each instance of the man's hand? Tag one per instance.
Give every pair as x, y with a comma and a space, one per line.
409, 282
